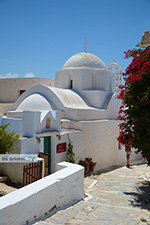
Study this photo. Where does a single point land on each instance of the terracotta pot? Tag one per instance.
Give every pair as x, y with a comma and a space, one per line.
87, 167
85, 171
91, 168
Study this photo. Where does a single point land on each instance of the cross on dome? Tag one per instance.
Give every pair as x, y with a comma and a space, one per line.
85, 44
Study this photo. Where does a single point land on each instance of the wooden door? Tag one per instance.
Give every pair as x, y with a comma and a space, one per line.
47, 150
45, 156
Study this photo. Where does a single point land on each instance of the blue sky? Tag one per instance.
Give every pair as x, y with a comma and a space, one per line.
38, 36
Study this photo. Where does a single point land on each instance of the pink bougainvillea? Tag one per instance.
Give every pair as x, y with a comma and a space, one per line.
134, 112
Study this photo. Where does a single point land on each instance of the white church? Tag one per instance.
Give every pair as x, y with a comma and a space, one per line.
82, 109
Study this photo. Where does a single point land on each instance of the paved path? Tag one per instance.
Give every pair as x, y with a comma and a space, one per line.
5, 188
121, 196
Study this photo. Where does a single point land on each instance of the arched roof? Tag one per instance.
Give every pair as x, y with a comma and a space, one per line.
85, 60
41, 97
34, 102
71, 105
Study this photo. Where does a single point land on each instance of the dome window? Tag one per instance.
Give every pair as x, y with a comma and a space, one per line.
71, 84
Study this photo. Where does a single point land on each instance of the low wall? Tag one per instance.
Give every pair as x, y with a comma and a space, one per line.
33, 201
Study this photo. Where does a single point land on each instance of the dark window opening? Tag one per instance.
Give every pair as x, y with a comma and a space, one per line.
71, 84
21, 91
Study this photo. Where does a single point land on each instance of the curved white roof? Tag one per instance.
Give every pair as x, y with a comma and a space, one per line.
85, 60
34, 102
71, 105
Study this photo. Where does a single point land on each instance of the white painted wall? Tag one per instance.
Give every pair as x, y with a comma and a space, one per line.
14, 124
85, 79
99, 142
113, 107
34, 122
59, 82
60, 189
95, 98
25, 145
112, 83
10, 87
75, 137
30, 146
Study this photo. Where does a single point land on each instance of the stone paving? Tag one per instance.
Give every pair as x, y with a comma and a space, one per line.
5, 188
121, 196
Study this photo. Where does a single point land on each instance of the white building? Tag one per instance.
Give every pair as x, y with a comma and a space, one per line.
82, 108
12, 88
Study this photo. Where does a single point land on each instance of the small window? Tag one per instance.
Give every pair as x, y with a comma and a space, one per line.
21, 91
48, 122
71, 84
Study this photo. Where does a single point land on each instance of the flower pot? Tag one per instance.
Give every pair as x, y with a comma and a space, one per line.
87, 167
85, 171
91, 168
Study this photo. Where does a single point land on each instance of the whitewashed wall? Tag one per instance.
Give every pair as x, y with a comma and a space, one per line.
99, 142
75, 137
14, 124
94, 98
60, 189
85, 79
34, 122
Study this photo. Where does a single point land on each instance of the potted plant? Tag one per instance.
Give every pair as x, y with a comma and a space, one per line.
88, 160
70, 154
92, 166
85, 165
